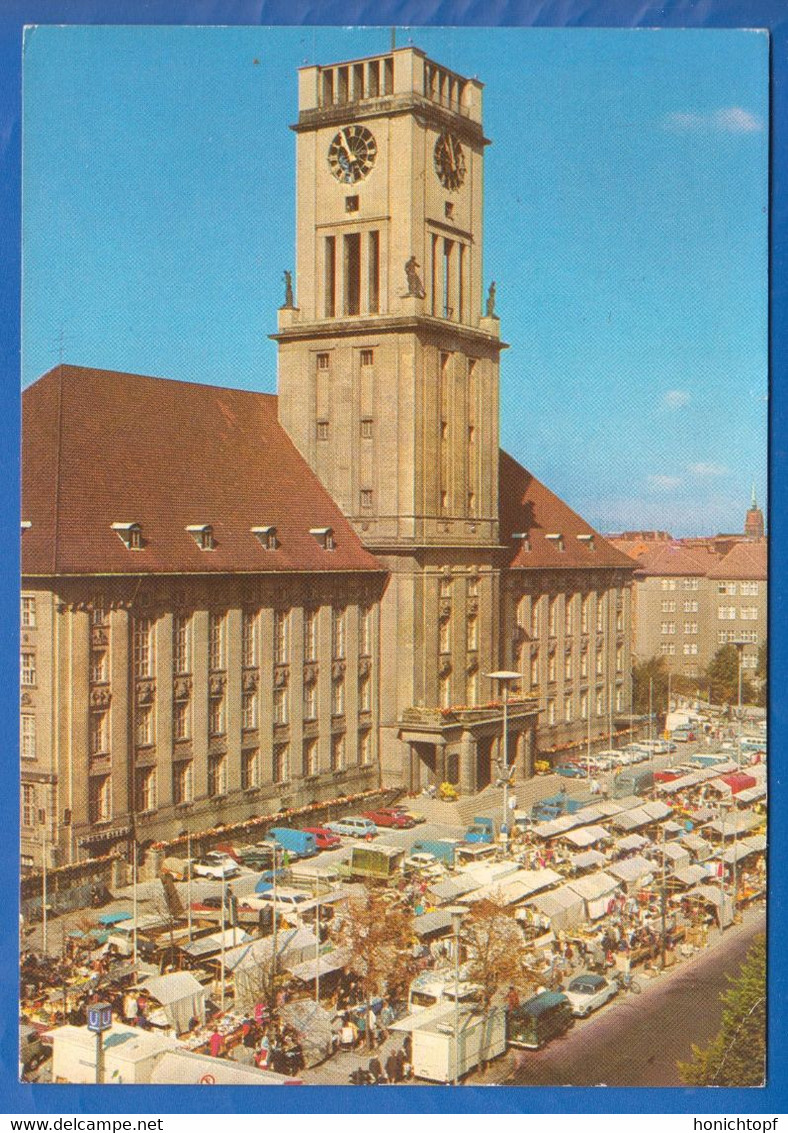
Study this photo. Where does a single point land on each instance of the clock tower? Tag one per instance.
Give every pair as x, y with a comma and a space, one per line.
388, 377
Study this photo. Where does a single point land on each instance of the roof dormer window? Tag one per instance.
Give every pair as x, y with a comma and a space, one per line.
130, 535
202, 534
588, 539
523, 538
557, 539
266, 536
324, 536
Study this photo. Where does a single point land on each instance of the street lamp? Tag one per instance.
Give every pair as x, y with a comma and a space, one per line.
740, 650
457, 912
505, 678
99, 1021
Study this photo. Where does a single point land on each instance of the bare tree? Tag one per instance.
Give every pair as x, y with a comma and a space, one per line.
378, 935
493, 944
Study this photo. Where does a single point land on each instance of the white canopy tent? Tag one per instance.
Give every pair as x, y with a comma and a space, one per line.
596, 890
181, 996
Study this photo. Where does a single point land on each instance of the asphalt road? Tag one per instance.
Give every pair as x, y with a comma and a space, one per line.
637, 1039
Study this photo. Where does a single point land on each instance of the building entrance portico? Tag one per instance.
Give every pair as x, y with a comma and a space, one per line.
464, 746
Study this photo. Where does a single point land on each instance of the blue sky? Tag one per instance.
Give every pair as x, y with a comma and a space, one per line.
626, 204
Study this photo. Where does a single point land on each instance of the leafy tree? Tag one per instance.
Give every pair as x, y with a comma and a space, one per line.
762, 674
493, 944
736, 1056
653, 673
723, 676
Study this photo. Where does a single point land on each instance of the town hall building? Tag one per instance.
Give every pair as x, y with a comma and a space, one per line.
235, 603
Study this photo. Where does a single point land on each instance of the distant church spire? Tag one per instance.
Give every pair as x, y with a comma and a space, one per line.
754, 499
753, 524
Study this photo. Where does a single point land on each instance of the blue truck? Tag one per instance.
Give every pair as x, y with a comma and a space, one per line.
545, 810
482, 830
298, 842
444, 849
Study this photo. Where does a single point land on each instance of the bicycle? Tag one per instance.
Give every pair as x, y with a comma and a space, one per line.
626, 982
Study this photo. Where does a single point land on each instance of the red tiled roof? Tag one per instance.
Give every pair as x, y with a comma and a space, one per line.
676, 559
101, 447
745, 560
528, 507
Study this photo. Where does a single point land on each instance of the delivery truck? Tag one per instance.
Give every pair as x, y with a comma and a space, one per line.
444, 1054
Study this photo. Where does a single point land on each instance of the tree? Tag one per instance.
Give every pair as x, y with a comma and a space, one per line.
736, 1056
493, 945
762, 674
723, 676
378, 933
653, 675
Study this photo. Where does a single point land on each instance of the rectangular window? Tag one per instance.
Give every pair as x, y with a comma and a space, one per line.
183, 783
330, 279
28, 804
337, 633
310, 700
281, 705
460, 281
216, 720
323, 361
28, 613
98, 612
352, 272
551, 668
749, 613
27, 737
216, 626
535, 671
249, 639
552, 617
310, 635
374, 274
600, 662
143, 648
444, 690
144, 725
99, 733
281, 637
311, 764
600, 704
472, 689
584, 615
338, 697
249, 711
473, 635
181, 643
750, 588
250, 770
98, 666
366, 428
568, 709
444, 635
567, 666
367, 357
99, 799
146, 789
281, 763
366, 497
726, 613
569, 617
600, 614
366, 614
619, 659
322, 430
217, 775
551, 711
181, 719
364, 693
471, 503
365, 748
447, 281
583, 705
337, 752
584, 663
727, 588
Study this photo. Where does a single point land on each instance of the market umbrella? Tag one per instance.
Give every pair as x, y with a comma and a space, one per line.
114, 918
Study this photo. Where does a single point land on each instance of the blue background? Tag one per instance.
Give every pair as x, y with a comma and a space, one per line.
17, 1097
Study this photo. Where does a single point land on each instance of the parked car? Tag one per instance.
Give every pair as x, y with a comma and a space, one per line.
297, 843
32, 1051
258, 856
417, 818
353, 826
668, 774
325, 839
541, 1018
588, 992
572, 770
287, 900
682, 735
423, 864
216, 865
386, 816
207, 904
637, 752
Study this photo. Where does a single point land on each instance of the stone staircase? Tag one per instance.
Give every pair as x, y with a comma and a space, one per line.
460, 813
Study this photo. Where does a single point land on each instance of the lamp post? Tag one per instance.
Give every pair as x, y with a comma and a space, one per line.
99, 1021
740, 651
457, 912
505, 678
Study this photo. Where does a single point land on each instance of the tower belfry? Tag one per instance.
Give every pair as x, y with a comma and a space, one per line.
388, 366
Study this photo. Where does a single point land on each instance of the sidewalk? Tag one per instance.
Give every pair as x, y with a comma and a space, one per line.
336, 1070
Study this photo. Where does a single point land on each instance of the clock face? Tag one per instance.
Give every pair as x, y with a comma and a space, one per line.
449, 161
352, 154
